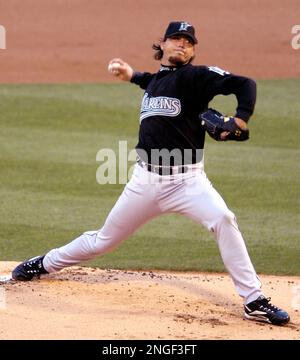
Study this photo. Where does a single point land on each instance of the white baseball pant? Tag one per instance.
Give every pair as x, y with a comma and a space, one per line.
148, 195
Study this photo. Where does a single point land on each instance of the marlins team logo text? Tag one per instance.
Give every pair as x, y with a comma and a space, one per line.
161, 105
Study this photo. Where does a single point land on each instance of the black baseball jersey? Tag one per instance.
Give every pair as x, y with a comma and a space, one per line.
173, 99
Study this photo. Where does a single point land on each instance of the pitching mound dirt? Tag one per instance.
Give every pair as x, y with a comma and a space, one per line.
87, 303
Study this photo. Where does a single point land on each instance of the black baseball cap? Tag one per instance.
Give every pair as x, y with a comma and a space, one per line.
181, 28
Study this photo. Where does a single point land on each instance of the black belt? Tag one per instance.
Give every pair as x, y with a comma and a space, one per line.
163, 170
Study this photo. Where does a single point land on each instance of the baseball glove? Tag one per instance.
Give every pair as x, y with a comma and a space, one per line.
231, 128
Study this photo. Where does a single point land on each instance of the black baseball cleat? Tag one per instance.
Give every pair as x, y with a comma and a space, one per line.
29, 268
262, 310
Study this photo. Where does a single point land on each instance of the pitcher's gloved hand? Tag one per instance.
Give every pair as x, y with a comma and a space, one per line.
222, 128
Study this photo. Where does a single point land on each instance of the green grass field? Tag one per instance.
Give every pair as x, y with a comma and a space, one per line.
49, 137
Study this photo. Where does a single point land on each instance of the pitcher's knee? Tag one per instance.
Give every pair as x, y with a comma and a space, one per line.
100, 243
224, 218
228, 216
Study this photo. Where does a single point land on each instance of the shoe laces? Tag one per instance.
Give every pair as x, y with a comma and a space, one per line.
31, 263
33, 266
266, 305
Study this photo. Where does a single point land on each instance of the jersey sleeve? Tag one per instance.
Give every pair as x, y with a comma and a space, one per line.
216, 81
142, 79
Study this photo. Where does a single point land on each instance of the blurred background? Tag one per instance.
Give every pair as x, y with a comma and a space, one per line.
73, 40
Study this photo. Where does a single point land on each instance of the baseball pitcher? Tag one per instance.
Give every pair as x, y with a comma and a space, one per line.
169, 175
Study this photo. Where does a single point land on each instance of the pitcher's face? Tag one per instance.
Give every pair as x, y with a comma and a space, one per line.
178, 50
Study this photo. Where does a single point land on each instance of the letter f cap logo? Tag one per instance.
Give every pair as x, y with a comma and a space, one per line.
184, 26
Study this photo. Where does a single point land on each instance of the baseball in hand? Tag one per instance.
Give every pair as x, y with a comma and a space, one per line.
114, 68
